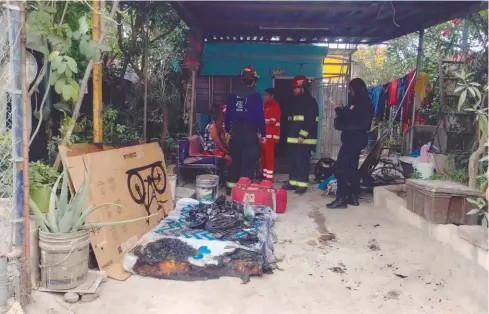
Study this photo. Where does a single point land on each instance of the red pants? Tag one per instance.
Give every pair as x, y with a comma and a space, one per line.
268, 159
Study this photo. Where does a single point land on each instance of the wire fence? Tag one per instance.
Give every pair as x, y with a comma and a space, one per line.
14, 278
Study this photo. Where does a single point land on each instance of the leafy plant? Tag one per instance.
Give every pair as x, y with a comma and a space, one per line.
41, 175
415, 175
473, 98
66, 214
480, 210
56, 41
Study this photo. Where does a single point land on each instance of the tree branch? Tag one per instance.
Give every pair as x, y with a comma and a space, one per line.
40, 77
83, 86
140, 18
161, 36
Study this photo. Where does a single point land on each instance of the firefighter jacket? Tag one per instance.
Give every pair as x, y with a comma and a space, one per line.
272, 121
303, 120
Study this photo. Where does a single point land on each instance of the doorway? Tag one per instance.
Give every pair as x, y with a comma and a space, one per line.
284, 96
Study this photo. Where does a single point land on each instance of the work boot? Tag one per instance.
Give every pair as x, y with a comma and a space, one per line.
337, 203
353, 200
288, 187
300, 190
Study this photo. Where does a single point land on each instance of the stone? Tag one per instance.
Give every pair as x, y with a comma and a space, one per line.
71, 297
91, 296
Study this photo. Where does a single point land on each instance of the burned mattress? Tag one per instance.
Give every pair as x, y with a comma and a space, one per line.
176, 249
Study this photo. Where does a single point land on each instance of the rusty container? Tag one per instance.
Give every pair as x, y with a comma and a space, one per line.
441, 202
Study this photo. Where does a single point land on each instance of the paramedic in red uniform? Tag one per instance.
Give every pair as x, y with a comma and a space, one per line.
272, 130
301, 135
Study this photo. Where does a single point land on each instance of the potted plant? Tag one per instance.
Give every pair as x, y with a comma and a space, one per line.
41, 179
64, 234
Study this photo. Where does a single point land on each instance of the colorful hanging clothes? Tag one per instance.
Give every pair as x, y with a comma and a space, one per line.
422, 85
393, 86
383, 101
374, 94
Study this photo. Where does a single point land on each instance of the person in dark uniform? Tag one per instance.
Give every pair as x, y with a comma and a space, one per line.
245, 121
302, 135
354, 120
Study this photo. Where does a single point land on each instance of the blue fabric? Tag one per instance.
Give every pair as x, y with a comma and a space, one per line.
253, 113
325, 182
374, 94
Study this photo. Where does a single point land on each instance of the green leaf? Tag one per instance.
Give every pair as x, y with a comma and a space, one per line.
103, 47
52, 55
475, 84
62, 68
115, 223
68, 73
473, 211
39, 216
57, 60
461, 100
71, 64
458, 89
83, 25
53, 78
96, 55
46, 112
471, 90
62, 106
52, 206
49, 9
76, 35
67, 92
59, 86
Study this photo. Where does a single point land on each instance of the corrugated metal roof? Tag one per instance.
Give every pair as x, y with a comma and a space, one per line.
364, 22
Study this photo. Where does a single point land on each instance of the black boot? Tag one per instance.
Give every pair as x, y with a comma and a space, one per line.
337, 203
353, 200
288, 187
300, 190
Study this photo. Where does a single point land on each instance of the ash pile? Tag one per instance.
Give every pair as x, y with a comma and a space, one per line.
206, 241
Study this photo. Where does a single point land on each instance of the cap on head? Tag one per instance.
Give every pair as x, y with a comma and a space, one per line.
248, 73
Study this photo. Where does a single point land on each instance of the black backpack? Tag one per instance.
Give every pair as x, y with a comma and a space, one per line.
324, 169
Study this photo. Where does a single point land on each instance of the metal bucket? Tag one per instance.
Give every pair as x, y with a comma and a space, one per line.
64, 259
206, 189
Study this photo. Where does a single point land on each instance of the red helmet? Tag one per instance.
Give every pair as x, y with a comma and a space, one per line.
300, 81
248, 73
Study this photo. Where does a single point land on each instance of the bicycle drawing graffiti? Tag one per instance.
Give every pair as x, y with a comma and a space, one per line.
146, 183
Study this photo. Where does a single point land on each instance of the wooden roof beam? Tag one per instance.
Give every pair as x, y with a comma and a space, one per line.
257, 24
367, 6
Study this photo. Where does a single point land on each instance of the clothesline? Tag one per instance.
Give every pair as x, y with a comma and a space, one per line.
389, 83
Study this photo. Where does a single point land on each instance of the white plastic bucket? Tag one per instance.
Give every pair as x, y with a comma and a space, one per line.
64, 259
206, 189
424, 169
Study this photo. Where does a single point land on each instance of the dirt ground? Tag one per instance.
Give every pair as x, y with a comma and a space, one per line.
359, 260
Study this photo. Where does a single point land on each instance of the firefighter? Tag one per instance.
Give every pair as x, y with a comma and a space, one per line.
272, 121
245, 121
302, 134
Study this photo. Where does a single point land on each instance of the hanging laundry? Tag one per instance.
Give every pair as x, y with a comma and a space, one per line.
409, 99
374, 94
383, 100
393, 92
422, 85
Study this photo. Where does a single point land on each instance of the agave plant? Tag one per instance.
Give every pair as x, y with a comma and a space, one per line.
67, 215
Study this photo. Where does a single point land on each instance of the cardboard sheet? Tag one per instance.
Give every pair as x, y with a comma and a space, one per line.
134, 177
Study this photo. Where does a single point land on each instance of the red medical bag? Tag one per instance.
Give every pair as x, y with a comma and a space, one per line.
263, 193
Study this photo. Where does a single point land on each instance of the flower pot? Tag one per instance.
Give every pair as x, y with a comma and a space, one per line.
41, 197
64, 259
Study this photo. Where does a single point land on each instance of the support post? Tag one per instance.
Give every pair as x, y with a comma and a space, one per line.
192, 105
98, 110
418, 68
145, 72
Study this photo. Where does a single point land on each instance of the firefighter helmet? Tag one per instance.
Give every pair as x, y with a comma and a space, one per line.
300, 81
248, 73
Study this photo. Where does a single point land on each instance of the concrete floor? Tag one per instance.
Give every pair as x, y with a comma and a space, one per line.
376, 264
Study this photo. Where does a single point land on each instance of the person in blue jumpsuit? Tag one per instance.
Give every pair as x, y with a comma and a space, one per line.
245, 121
354, 121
